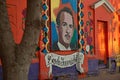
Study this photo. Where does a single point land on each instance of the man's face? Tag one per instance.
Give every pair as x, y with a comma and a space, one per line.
66, 28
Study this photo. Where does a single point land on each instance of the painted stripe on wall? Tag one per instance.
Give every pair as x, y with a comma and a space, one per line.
33, 72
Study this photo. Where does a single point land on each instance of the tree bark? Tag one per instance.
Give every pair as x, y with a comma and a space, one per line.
16, 58
26, 50
7, 45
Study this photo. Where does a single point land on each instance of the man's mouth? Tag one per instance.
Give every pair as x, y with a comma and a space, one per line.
67, 36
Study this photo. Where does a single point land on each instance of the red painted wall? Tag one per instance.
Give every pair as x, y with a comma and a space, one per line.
113, 25
101, 14
86, 10
15, 8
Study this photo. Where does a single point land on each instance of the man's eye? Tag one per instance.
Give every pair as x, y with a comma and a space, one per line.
71, 26
64, 24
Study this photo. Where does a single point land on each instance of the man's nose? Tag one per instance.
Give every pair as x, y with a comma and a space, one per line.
67, 29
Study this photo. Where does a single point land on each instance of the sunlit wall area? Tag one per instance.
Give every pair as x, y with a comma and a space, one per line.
116, 26
115, 32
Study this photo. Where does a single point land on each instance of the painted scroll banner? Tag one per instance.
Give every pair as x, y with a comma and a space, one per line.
64, 61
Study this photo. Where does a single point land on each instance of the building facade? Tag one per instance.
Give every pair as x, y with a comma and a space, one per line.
95, 38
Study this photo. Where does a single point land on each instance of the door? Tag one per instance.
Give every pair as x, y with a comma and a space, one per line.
102, 41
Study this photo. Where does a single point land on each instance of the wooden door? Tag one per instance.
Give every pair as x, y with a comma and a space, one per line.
102, 40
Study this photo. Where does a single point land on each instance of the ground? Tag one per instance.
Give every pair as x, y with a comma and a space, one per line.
103, 75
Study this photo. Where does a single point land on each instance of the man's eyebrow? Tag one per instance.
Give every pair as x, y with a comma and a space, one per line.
64, 22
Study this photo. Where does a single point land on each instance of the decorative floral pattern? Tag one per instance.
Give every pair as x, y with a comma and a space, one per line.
88, 29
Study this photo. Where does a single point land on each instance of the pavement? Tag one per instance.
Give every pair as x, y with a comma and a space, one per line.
104, 74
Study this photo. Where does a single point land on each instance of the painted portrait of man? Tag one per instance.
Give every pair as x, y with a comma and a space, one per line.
63, 30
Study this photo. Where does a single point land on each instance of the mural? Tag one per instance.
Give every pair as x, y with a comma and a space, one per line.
64, 34
61, 31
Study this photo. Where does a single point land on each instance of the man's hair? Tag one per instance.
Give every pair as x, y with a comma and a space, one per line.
65, 9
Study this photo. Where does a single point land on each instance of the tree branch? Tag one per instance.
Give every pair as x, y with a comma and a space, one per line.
7, 45
30, 38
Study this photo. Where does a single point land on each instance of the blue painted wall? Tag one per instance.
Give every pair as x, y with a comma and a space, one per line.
33, 72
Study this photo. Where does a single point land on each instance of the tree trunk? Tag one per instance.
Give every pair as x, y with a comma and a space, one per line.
9, 71
7, 45
16, 58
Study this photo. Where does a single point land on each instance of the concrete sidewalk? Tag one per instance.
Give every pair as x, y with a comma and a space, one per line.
103, 75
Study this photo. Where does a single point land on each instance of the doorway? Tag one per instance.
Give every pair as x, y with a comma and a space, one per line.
102, 42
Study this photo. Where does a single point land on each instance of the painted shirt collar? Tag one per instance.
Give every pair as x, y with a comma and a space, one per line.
61, 47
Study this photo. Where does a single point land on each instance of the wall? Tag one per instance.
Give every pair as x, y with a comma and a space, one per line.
116, 26
91, 16
15, 12
86, 22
